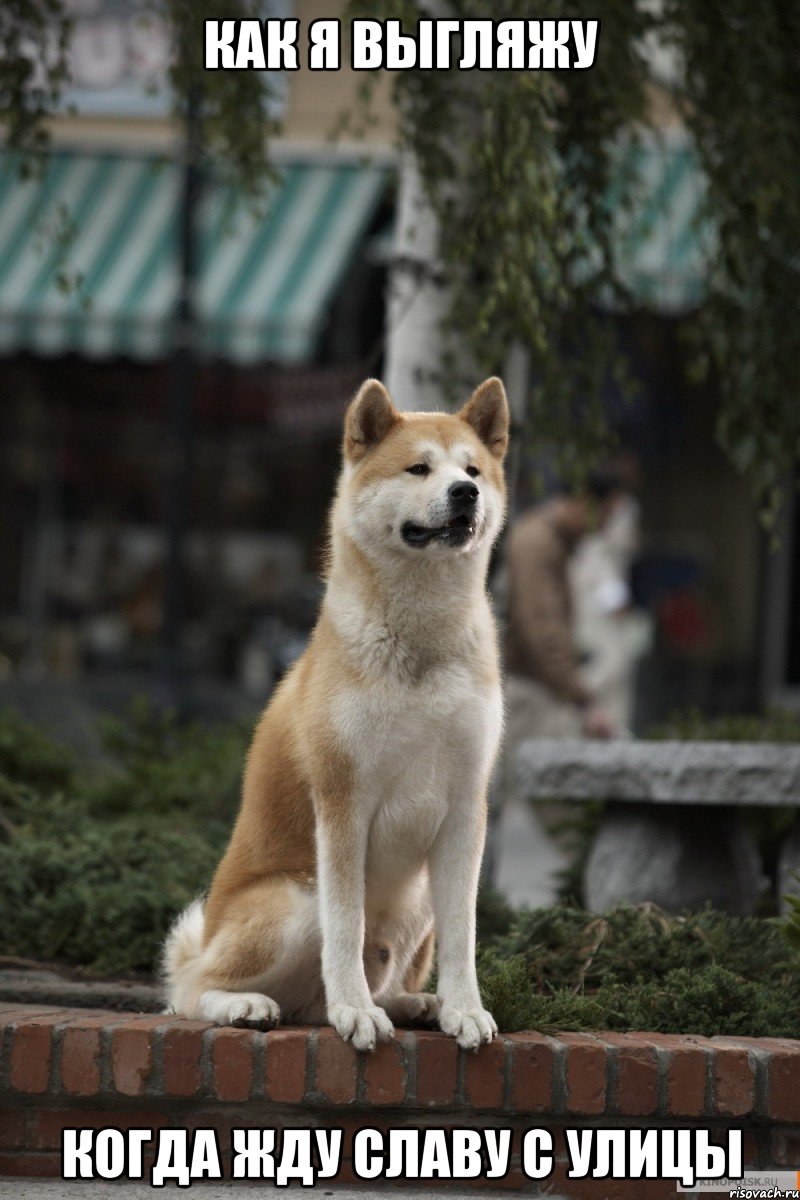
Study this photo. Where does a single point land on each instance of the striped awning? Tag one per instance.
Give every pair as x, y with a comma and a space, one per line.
89, 257
663, 245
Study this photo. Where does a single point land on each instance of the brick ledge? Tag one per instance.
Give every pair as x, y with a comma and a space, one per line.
84, 1053
87, 1067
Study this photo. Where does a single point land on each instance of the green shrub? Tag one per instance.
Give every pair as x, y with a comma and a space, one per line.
158, 764
710, 1002
567, 947
96, 860
792, 923
692, 725
95, 863
637, 968
100, 895
30, 756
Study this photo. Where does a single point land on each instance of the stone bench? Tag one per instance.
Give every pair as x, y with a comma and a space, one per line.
672, 832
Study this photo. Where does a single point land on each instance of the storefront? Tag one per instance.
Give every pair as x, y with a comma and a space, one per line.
288, 316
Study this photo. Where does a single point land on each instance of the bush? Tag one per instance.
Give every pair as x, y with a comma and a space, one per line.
159, 765
691, 725
95, 863
30, 756
96, 860
99, 895
637, 968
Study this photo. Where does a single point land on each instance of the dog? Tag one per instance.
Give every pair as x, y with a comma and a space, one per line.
363, 812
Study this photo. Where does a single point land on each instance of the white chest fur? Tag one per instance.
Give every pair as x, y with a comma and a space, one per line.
422, 723
417, 750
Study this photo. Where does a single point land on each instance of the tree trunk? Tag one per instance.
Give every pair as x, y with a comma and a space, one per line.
417, 300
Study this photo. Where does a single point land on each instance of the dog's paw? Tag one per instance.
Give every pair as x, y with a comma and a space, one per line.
361, 1026
413, 1006
469, 1026
251, 1009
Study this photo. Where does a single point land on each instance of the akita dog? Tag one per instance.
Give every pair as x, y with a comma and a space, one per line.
364, 799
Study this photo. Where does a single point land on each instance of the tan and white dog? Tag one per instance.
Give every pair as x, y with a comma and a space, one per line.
364, 802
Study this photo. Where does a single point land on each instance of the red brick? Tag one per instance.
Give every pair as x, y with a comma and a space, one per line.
559, 1183
232, 1063
484, 1082
725, 1042
585, 1074
750, 1149
385, 1073
132, 1056
369, 1120
734, 1083
785, 1148
660, 1189
513, 1181
31, 1054
12, 1128
686, 1083
784, 1085
286, 1065
182, 1048
532, 1073
26, 1165
97, 1017
47, 1124
80, 1061
10, 1014
437, 1062
337, 1067
346, 1176
687, 1061
637, 1074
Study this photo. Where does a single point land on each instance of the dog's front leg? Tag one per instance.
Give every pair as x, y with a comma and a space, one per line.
341, 857
454, 865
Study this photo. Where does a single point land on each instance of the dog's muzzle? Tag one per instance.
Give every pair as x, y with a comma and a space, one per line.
462, 498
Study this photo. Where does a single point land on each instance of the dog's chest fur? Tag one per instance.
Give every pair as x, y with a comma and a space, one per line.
416, 738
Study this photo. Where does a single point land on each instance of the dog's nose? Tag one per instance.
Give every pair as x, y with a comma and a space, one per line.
462, 494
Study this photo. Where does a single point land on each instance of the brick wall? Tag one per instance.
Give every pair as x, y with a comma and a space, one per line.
78, 1067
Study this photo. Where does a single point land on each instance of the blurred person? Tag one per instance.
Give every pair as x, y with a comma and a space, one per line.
547, 695
611, 634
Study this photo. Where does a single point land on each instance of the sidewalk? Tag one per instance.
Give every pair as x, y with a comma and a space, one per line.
56, 1189
527, 857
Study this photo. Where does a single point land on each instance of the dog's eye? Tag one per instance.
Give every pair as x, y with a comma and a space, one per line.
472, 471
419, 469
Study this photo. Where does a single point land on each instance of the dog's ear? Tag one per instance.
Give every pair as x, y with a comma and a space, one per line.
487, 412
369, 418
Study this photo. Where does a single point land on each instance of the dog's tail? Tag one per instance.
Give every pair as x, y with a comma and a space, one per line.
182, 950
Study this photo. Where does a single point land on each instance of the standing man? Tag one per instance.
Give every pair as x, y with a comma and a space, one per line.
544, 692
546, 696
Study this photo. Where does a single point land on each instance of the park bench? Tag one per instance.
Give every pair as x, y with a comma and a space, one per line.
673, 830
